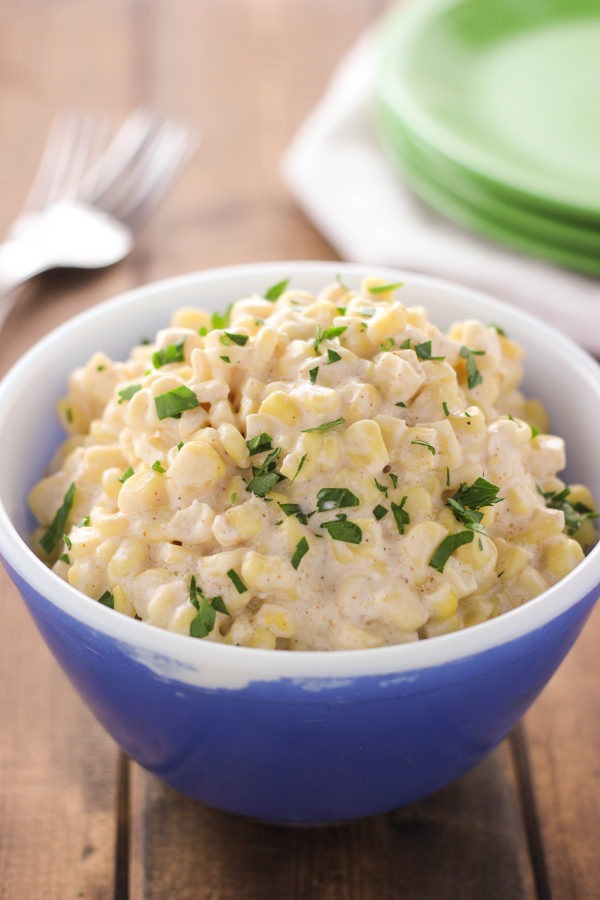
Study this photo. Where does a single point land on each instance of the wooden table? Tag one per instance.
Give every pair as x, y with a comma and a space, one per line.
78, 819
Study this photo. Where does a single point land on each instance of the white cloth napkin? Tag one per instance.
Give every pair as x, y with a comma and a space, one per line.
341, 178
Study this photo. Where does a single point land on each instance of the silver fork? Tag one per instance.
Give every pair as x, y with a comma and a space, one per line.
88, 198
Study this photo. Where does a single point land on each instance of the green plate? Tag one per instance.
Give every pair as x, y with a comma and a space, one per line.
471, 217
508, 90
541, 226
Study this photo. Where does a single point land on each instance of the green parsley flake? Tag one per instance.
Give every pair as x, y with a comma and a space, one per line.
259, 444
312, 374
380, 511
300, 464
237, 581
473, 374
575, 513
56, 529
265, 477
327, 335
100, 368
335, 498
171, 354
380, 487
69, 414
400, 403
343, 530
107, 599
342, 311
405, 345
497, 328
65, 558
157, 466
294, 509
423, 351
172, 403
219, 320
275, 291
179, 446
126, 474
394, 480
332, 356
387, 346
447, 547
84, 522
240, 339
534, 431
128, 392
447, 476
233, 497
325, 426
401, 517
467, 501
382, 288
430, 447
300, 551
67, 541
445, 408
338, 278
225, 359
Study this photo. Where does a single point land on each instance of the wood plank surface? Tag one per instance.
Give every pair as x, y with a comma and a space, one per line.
75, 817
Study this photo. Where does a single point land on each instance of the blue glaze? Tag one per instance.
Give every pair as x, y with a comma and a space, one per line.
302, 750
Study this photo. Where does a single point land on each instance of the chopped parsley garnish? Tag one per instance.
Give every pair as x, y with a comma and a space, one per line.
575, 513
233, 497
382, 288
294, 509
179, 446
84, 522
265, 477
300, 551
430, 447
423, 351
497, 328
325, 426
312, 374
126, 474
342, 312
447, 547
405, 345
300, 464
327, 335
232, 338
172, 403
380, 511
237, 581
400, 403
387, 346
65, 558
204, 622
107, 599
467, 501
276, 290
225, 359
221, 320
338, 278
534, 431
128, 392
380, 487
67, 541
100, 368
69, 414
259, 444
157, 466
343, 530
203, 331
445, 408
56, 529
332, 356
394, 479
473, 374
401, 517
172, 353
447, 476
335, 498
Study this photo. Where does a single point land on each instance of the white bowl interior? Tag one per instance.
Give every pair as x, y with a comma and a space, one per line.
557, 371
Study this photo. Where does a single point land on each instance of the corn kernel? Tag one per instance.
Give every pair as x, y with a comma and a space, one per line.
365, 445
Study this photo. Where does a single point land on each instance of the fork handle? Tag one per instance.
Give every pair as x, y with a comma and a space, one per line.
17, 265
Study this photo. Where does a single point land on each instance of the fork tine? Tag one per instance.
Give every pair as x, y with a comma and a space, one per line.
127, 143
147, 182
50, 171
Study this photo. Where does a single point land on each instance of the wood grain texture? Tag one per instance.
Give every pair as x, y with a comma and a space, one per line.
563, 739
466, 842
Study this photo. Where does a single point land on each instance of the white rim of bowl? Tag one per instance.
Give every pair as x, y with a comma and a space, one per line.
261, 665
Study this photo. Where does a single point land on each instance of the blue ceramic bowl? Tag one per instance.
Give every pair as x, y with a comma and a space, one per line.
295, 737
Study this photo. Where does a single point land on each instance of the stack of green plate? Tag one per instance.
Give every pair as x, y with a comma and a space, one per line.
491, 108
